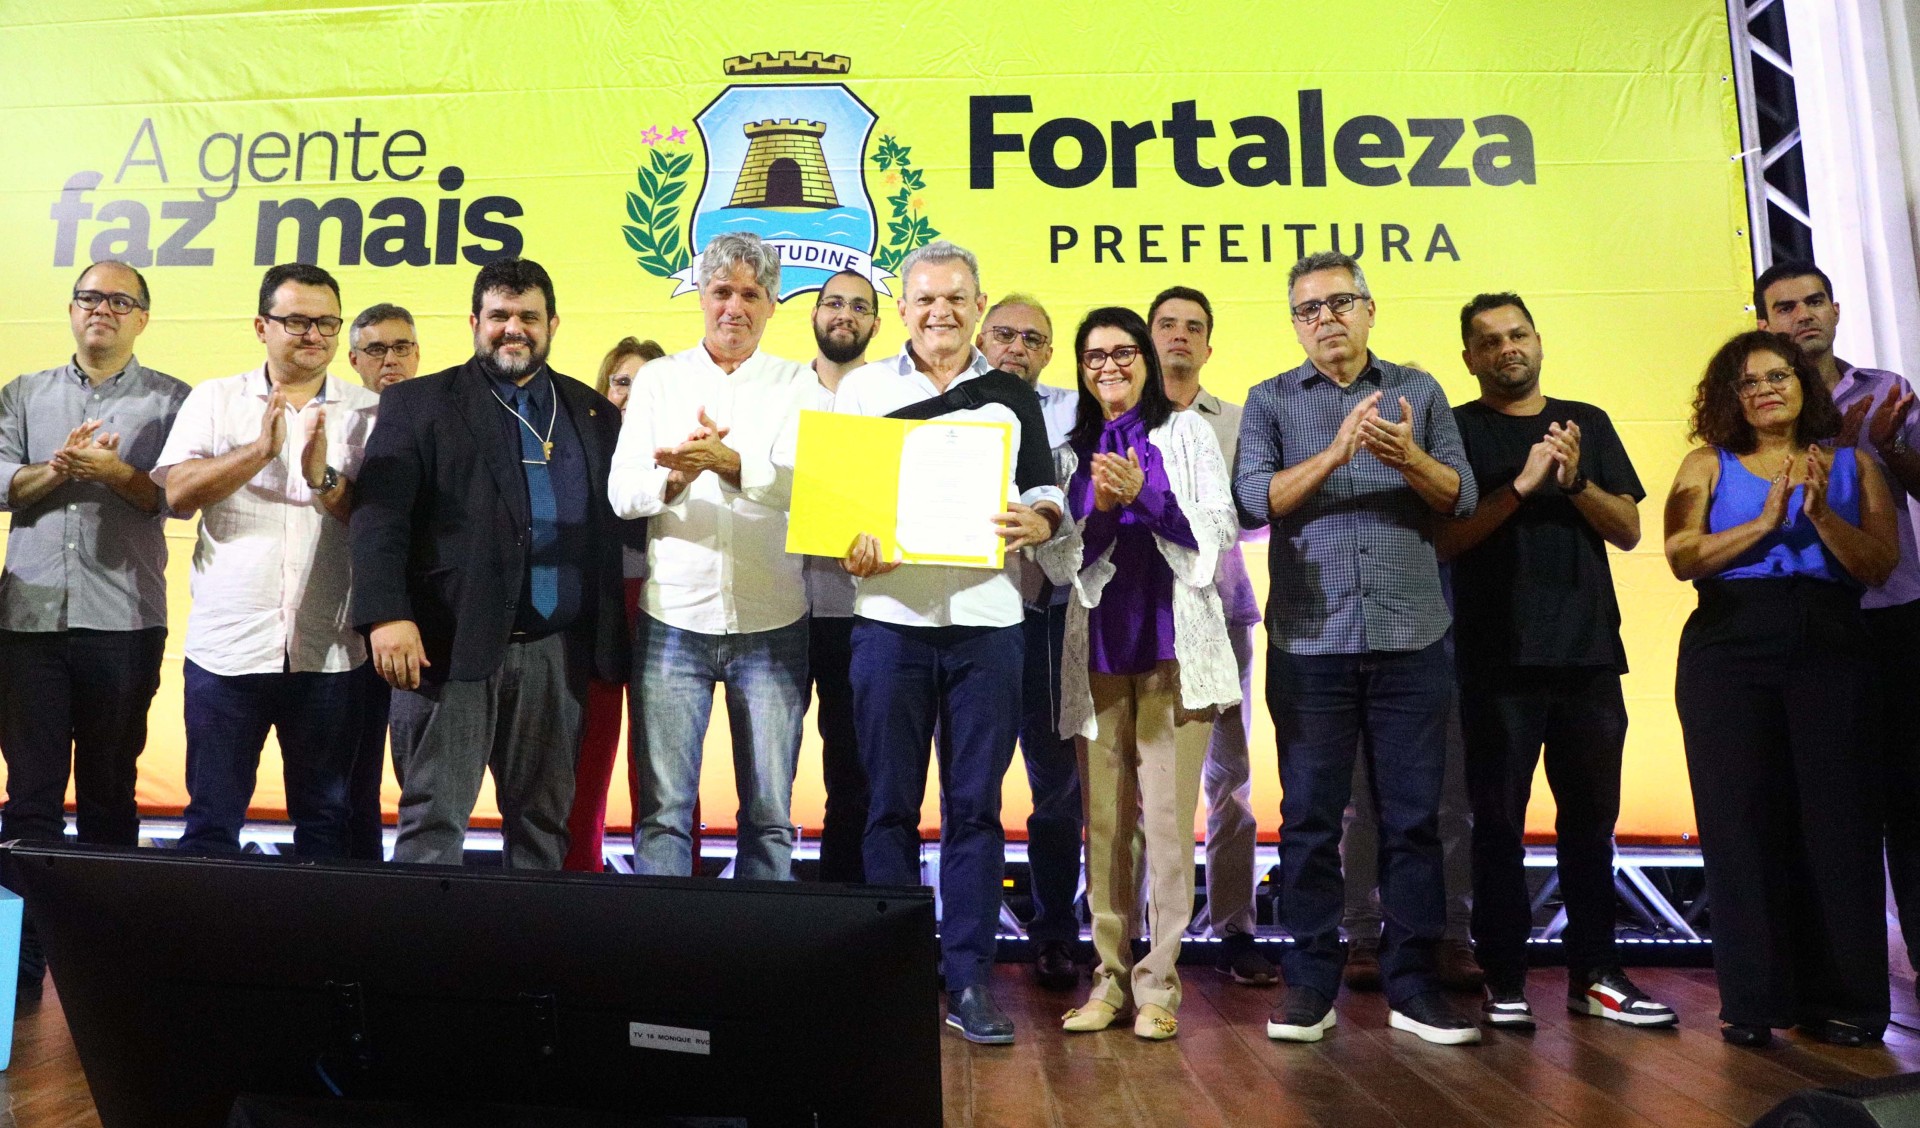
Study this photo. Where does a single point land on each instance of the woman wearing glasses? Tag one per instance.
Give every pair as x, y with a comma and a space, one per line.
1146, 664
1779, 533
600, 730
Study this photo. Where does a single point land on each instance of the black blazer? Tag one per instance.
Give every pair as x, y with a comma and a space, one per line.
440, 525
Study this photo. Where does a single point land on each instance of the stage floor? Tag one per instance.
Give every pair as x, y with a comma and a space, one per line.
1222, 1070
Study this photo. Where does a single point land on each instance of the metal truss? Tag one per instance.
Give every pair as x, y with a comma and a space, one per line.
1659, 888
1777, 204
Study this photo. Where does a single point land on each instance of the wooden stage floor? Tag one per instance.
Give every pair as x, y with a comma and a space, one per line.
1223, 1071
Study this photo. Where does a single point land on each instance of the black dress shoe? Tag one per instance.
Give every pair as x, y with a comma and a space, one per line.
1745, 1034
1836, 1033
1456, 967
978, 1018
1362, 972
1053, 966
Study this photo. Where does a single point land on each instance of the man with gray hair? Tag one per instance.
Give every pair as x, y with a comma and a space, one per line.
1351, 458
706, 454
382, 350
937, 643
382, 347
1016, 336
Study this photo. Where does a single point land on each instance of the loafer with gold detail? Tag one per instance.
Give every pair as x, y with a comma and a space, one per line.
1092, 1015
1155, 1023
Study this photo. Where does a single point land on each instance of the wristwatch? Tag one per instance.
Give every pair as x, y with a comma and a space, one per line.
328, 481
1578, 486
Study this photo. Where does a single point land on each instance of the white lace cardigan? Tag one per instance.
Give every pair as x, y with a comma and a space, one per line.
1209, 677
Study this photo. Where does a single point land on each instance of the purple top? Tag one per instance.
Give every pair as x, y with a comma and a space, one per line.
1132, 629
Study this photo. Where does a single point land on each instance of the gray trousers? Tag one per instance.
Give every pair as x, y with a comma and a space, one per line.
523, 722
1232, 829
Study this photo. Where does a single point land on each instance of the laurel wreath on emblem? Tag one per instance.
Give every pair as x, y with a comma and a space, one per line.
654, 234
909, 227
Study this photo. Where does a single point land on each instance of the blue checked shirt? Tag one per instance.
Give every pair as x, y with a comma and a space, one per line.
1352, 569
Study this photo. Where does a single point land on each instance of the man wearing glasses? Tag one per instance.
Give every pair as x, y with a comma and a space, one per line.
845, 318
382, 350
269, 457
1350, 458
1016, 336
83, 594
381, 346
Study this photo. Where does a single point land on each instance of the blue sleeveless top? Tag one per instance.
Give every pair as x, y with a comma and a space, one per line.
1794, 549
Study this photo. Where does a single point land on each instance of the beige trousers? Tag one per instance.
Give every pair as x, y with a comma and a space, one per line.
1142, 766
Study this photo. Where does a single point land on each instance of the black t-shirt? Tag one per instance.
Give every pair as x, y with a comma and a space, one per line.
1538, 592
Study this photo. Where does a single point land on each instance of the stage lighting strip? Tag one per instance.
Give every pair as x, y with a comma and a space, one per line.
1631, 879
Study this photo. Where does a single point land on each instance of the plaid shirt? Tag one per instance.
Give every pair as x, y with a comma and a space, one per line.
1352, 569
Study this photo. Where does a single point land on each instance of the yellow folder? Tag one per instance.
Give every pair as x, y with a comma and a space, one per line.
848, 479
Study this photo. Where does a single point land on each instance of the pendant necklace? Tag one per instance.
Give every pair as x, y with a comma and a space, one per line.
545, 441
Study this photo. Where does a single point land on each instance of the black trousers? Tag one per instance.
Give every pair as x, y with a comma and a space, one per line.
1774, 694
829, 652
1508, 715
372, 705
75, 700
1895, 640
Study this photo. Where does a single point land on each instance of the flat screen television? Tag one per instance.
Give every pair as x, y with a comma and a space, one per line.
189, 981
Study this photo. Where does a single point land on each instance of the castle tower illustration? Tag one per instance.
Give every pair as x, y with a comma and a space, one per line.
784, 167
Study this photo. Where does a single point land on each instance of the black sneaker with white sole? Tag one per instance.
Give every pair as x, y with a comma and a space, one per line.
1611, 995
1303, 1015
1508, 1009
1433, 1018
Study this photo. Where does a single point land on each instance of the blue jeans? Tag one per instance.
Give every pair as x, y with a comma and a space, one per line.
968, 680
671, 700
1321, 705
227, 722
1053, 774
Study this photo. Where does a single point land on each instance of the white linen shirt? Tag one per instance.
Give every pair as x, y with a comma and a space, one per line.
272, 570
717, 559
936, 595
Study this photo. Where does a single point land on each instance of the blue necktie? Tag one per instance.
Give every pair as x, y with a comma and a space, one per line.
544, 579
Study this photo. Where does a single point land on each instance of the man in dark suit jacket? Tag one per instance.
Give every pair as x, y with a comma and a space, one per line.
487, 576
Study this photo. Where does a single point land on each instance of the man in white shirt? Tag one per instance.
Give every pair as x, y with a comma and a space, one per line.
932, 642
1016, 336
269, 457
705, 453
845, 317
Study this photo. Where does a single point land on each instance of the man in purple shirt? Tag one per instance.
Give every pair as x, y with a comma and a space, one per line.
1795, 299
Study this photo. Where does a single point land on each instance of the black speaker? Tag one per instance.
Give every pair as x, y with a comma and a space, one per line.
1884, 1102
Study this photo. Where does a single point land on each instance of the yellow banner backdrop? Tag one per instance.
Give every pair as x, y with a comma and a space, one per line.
1089, 155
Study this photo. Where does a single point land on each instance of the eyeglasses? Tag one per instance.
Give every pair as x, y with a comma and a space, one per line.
1032, 338
376, 351
1338, 305
1121, 357
298, 324
120, 304
1750, 386
859, 308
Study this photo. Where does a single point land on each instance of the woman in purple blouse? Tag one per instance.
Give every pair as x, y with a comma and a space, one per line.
1146, 663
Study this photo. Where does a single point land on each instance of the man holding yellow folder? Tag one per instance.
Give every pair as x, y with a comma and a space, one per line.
939, 643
